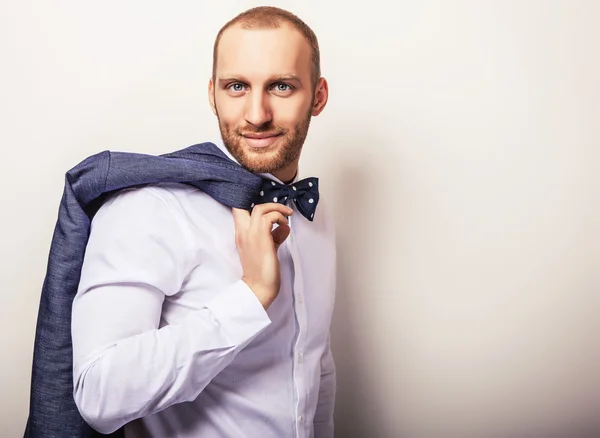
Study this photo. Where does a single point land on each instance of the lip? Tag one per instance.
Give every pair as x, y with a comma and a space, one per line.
260, 140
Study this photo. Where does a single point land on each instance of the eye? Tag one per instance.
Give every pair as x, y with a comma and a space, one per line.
283, 88
236, 87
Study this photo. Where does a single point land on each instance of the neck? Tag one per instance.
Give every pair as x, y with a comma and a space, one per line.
286, 175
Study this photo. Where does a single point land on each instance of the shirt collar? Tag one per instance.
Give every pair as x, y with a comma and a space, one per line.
269, 176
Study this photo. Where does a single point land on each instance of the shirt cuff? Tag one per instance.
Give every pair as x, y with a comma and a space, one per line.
240, 312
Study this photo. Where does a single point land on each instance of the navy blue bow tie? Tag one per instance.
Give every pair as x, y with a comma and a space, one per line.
305, 193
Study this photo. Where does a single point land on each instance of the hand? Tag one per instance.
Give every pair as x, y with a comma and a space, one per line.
257, 245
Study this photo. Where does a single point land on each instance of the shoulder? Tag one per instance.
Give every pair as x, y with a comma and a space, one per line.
159, 207
325, 211
148, 198
324, 220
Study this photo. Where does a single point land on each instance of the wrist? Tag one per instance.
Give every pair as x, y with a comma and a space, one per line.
263, 296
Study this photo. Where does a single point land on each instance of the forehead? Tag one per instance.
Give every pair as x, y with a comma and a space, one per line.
263, 52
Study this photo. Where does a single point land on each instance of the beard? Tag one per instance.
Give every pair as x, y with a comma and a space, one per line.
283, 152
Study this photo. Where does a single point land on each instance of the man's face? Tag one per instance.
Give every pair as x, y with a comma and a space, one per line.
263, 97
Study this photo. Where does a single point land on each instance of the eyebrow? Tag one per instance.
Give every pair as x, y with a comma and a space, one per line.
275, 78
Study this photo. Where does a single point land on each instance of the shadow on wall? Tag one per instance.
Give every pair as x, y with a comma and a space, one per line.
356, 412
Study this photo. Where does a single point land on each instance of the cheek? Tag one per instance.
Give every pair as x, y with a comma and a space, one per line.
230, 110
291, 112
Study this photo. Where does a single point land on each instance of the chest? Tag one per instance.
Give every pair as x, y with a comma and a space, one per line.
307, 265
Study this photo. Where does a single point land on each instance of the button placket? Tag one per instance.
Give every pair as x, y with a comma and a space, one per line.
301, 318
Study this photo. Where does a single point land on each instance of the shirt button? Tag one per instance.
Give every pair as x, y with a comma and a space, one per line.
299, 357
301, 418
299, 298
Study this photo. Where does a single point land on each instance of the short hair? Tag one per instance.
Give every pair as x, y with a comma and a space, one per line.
270, 17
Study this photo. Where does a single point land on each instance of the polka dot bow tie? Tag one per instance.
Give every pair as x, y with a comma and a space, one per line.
305, 193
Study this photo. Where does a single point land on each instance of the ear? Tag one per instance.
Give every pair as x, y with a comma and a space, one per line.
321, 96
211, 96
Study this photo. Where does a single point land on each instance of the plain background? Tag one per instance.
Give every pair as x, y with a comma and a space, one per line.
460, 148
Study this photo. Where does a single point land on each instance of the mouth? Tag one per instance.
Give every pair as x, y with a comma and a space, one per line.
261, 140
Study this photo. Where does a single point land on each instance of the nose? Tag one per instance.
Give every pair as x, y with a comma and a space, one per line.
257, 111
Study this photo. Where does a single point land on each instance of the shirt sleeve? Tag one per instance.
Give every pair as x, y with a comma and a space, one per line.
323, 420
124, 365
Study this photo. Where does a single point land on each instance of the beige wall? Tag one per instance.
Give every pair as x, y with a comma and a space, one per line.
460, 147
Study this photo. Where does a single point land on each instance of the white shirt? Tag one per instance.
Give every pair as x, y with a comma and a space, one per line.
169, 340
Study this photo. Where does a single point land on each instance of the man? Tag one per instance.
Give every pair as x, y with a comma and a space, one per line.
193, 319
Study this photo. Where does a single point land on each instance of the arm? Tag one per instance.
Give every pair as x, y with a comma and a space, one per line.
323, 422
125, 366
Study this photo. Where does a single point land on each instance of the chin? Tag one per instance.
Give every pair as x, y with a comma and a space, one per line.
264, 161
261, 164
267, 159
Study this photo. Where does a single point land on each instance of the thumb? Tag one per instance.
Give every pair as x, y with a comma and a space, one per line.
280, 234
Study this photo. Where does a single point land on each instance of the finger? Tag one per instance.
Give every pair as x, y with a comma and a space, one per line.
280, 234
273, 209
268, 207
268, 220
